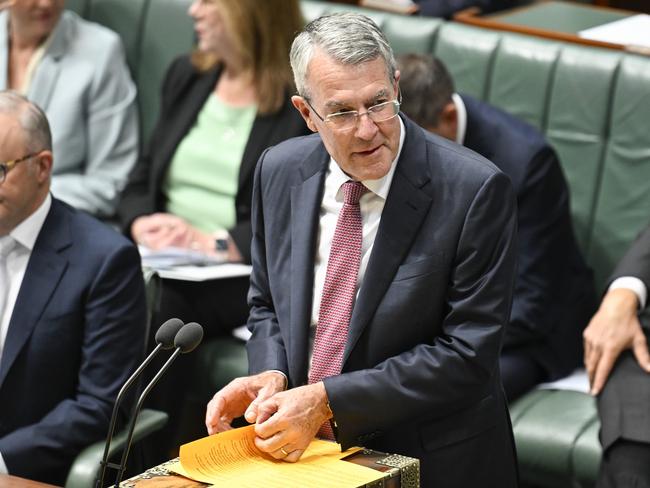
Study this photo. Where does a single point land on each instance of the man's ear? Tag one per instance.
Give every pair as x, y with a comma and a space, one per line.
448, 121
302, 107
44, 166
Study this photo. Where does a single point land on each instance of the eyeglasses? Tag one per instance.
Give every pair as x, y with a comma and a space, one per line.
8, 165
349, 119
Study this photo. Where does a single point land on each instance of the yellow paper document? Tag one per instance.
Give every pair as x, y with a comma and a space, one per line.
230, 459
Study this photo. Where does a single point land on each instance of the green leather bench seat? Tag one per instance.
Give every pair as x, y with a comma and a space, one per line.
592, 104
566, 425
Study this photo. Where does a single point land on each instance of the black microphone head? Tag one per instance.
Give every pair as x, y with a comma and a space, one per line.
167, 332
188, 337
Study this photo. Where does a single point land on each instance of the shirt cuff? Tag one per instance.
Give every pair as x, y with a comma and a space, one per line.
3, 466
286, 380
634, 284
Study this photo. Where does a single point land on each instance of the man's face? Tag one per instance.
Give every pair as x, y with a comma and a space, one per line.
366, 151
36, 18
26, 184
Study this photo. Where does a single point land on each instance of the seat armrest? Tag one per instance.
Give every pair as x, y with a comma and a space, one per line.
85, 467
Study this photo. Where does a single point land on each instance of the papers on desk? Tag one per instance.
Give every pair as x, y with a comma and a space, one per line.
230, 459
633, 31
187, 265
576, 381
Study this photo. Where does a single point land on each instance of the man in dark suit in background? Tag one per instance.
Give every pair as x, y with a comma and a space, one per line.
447, 8
72, 309
618, 363
554, 292
383, 264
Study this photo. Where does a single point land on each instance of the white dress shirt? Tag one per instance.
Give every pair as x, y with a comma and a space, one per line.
634, 284
25, 235
371, 205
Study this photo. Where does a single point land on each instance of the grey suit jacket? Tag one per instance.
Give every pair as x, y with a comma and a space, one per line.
84, 86
420, 372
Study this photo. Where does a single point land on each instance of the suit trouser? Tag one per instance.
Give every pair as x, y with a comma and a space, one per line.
624, 410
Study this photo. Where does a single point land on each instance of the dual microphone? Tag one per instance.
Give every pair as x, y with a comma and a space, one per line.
183, 338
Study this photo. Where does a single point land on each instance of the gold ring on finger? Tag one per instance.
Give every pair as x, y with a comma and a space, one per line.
284, 452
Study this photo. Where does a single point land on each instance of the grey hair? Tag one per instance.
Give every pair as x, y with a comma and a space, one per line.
348, 38
31, 118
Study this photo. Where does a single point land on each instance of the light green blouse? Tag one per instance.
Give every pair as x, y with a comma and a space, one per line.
201, 183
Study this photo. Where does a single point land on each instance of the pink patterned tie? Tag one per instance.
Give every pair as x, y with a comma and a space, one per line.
339, 292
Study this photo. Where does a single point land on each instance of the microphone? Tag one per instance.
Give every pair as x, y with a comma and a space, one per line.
165, 336
186, 340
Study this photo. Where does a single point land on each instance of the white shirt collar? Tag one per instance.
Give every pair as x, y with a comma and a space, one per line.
27, 231
462, 118
379, 187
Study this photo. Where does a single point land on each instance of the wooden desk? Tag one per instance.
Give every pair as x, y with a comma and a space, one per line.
7, 481
399, 472
551, 19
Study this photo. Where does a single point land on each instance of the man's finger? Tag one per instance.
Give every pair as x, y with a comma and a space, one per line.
294, 456
640, 348
602, 371
591, 362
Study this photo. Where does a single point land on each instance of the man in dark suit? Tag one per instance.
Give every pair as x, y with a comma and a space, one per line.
72, 309
447, 8
618, 363
554, 293
383, 264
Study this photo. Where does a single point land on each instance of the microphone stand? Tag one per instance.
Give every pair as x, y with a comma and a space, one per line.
111, 427
122, 466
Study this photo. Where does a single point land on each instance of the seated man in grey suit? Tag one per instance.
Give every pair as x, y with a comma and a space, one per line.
554, 292
72, 309
618, 363
76, 72
383, 263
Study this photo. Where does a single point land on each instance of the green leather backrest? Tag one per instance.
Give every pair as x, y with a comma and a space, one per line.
125, 17
78, 6
166, 33
623, 201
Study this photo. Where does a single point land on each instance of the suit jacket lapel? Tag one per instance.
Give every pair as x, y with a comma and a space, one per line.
44, 271
47, 71
305, 208
406, 206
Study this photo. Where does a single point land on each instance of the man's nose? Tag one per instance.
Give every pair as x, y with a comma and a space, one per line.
366, 128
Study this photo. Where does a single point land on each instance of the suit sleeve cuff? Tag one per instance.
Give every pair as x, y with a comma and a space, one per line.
286, 380
634, 284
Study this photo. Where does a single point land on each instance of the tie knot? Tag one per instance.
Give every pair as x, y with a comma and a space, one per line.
7, 243
353, 191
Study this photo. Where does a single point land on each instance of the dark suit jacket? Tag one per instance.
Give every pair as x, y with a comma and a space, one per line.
447, 8
184, 93
420, 373
76, 333
636, 261
554, 292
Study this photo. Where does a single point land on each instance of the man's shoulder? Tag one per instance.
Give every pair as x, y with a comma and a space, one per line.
510, 126
88, 233
289, 154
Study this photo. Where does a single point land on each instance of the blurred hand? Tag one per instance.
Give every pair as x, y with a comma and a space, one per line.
160, 230
241, 396
287, 422
613, 329
6, 4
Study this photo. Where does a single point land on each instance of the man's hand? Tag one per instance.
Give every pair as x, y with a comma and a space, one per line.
241, 396
287, 422
614, 328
